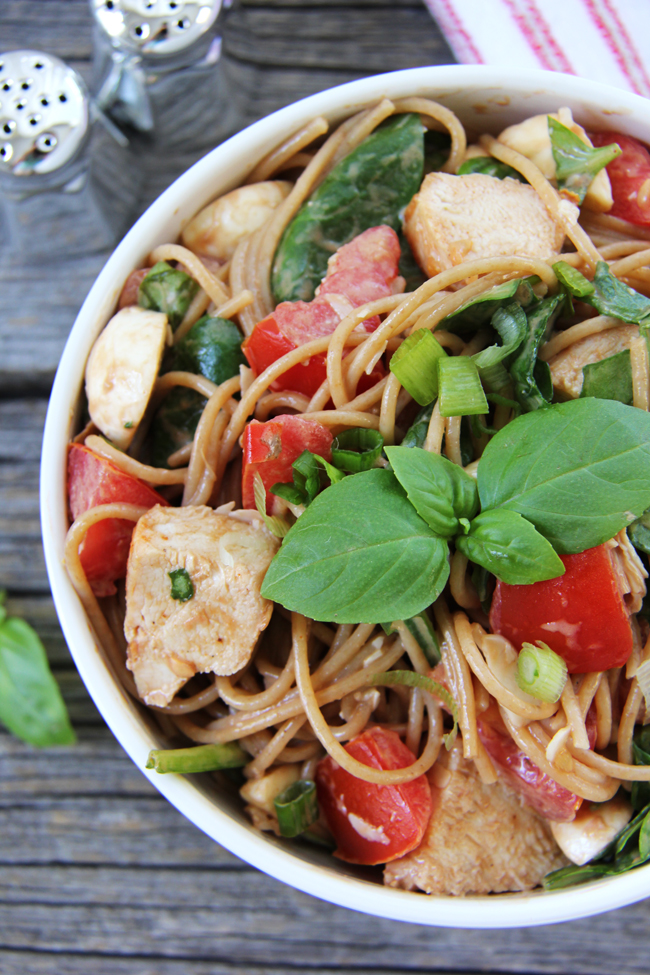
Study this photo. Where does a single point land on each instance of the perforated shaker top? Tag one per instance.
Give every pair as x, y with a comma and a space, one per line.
155, 27
43, 113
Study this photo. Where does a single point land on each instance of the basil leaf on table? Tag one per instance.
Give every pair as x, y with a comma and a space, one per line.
368, 187
610, 378
579, 471
211, 348
508, 545
31, 705
168, 290
440, 491
532, 377
489, 167
360, 553
576, 163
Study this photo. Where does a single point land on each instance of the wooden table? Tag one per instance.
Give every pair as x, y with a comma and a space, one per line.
98, 873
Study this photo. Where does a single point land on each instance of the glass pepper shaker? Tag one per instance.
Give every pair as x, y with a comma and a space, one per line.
159, 75
66, 184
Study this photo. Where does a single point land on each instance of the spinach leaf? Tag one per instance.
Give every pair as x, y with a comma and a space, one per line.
359, 553
576, 163
639, 534
440, 491
489, 167
479, 311
511, 325
610, 378
417, 432
579, 471
508, 545
612, 297
437, 146
175, 423
31, 705
168, 290
370, 186
211, 348
532, 377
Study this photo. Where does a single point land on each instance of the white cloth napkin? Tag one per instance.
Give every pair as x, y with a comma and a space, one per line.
606, 40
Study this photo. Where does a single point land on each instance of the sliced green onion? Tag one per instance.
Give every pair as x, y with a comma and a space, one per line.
421, 629
182, 585
461, 392
276, 525
297, 808
357, 449
201, 758
409, 678
576, 283
415, 365
541, 672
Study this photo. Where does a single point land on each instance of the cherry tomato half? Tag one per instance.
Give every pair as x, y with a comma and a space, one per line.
93, 480
270, 449
581, 615
373, 823
628, 173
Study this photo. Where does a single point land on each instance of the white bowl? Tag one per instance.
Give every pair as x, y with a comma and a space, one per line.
485, 99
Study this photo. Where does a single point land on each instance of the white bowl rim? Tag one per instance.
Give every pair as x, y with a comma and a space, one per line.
504, 911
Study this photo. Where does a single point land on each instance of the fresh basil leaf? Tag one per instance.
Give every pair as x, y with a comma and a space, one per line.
489, 167
211, 348
360, 553
368, 187
579, 471
168, 290
576, 163
417, 432
437, 146
480, 310
610, 378
512, 326
507, 545
532, 377
31, 705
440, 491
612, 297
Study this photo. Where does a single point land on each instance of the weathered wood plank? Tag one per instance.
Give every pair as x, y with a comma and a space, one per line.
40, 613
22, 565
251, 919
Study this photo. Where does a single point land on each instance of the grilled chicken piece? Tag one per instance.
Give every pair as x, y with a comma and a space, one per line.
122, 369
532, 139
463, 218
567, 365
217, 229
216, 629
595, 825
480, 838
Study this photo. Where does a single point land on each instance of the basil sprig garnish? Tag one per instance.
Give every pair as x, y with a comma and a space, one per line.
374, 546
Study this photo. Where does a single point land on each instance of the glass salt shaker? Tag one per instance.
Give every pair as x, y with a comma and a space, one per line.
158, 71
66, 181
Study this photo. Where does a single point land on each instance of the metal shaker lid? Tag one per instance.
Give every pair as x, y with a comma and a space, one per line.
155, 27
43, 113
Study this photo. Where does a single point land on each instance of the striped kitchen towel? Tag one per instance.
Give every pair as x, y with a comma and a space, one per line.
606, 40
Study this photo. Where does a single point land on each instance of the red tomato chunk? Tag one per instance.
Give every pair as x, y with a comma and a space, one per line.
361, 271
538, 789
581, 615
270, 449
373, 823
92, 480
628, 173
